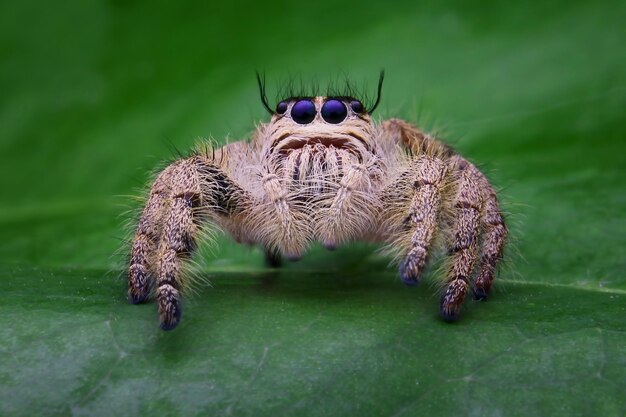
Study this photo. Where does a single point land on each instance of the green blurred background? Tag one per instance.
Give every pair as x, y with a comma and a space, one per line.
95, 94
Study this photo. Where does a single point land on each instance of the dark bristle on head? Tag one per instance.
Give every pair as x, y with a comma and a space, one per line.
381, 78
295, 88
261, 81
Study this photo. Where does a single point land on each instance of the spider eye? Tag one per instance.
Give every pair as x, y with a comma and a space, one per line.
356, 106
334, 111
281, 107
303, 112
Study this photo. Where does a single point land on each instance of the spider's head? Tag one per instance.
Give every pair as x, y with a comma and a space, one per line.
337, 122
341, 122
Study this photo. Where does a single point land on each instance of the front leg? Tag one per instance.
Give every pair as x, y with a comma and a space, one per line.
414, 220
184, 195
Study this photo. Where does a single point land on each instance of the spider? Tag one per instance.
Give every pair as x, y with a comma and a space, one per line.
322, 170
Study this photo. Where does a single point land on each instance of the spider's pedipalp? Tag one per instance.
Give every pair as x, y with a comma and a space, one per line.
288, 234
349, 212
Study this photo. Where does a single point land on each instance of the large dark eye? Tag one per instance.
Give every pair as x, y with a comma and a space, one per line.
334, 111
303, 112
356, 106
281, 107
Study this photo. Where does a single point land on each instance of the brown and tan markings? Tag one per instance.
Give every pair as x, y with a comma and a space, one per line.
322, 171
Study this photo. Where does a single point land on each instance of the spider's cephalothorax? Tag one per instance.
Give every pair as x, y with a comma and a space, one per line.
323, 171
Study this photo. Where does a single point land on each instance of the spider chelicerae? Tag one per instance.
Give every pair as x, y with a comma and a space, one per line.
322, 170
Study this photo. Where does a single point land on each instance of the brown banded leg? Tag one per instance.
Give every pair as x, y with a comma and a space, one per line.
413, 139
423, 216
494, 237
177, 244
463, 245
140, 272
493, 232
179, 199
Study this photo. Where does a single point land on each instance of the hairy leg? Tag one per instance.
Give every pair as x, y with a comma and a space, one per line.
182, 195
421, 221
493, 240
177, 243
492, 226
468, 203
147, 235
429, 180
493, 230
414, 140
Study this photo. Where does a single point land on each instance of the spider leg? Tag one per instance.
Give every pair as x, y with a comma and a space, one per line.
147, 235
414, 140
422, 219
494, 236
478, 226
468, 204
190, 190
177, 243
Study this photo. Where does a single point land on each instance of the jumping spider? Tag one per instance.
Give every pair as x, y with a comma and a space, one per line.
322, 170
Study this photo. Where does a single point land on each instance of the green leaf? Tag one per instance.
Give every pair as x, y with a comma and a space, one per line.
97, 94
309, 344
